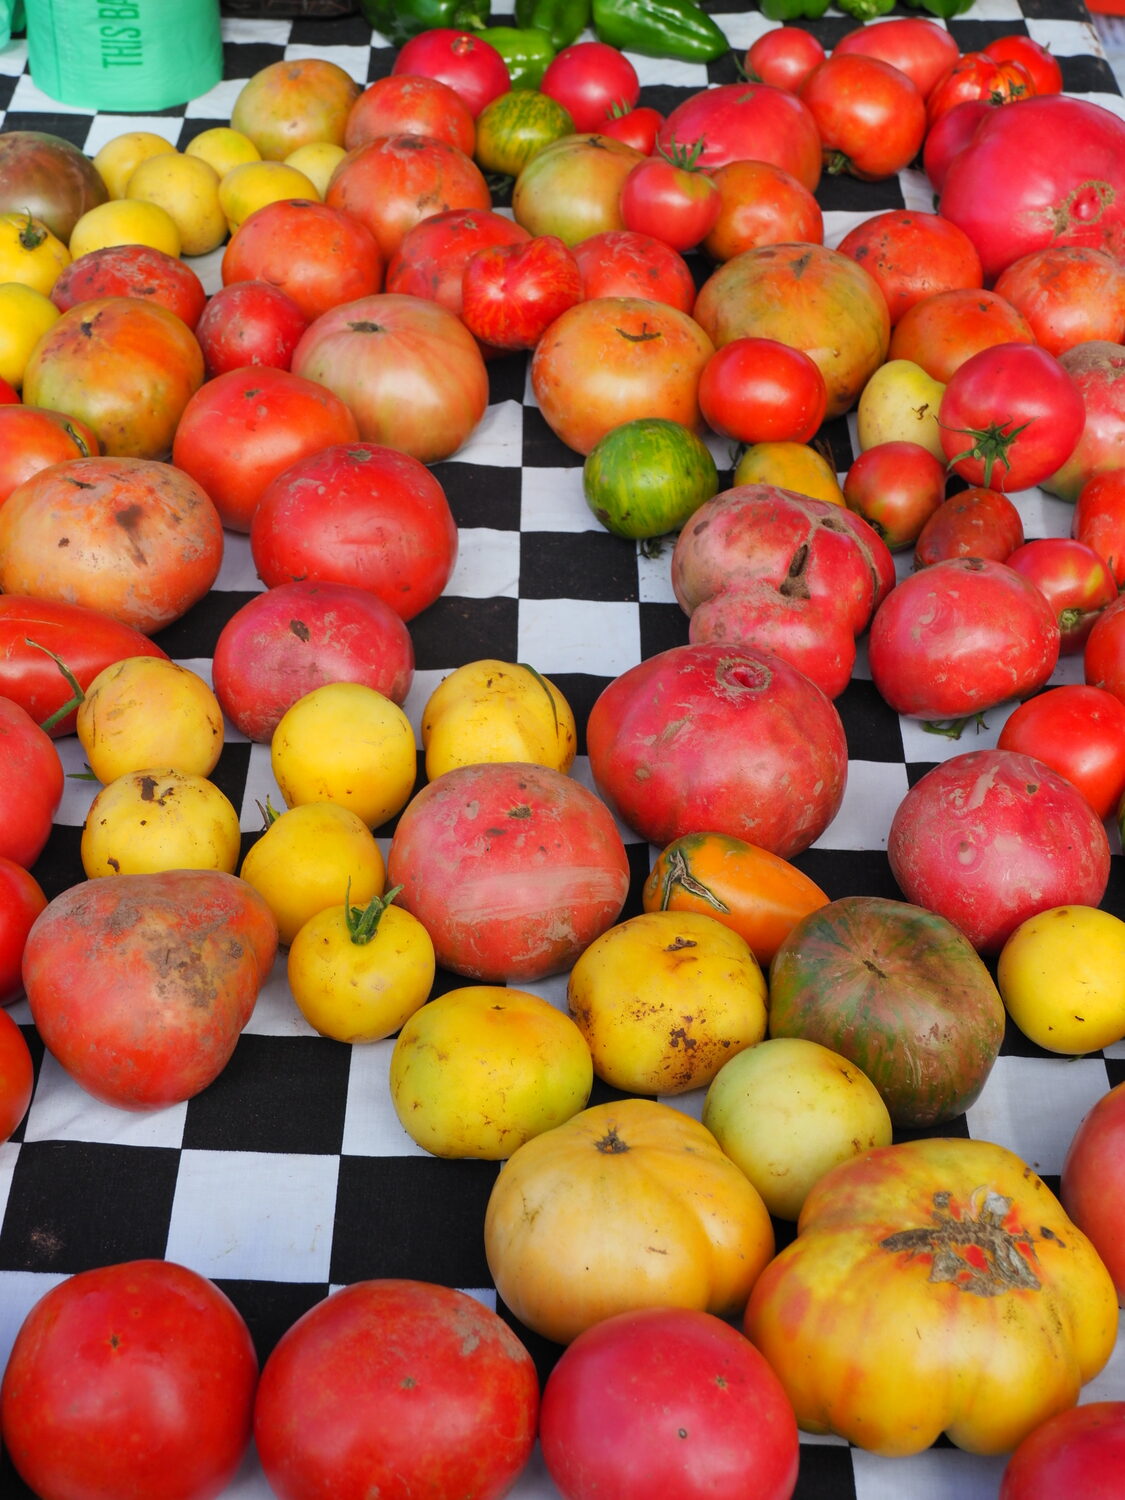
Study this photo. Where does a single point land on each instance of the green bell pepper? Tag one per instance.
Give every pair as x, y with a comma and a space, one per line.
944, 10
793, 10
526, 52
399, 20
659, 28
865, 10
564, 21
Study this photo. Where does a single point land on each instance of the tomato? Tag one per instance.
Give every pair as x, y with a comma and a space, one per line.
1096, 367
132, 271
146, 711
1069, 294
1062, 976
950, 133
668, 198
511, 294
572, 187
1010, 417
431, 259
870, 115
636, 125
358, 514
249, 323
978, 75
748, 122
761, 204
619, 263
497, 711
667, 1402
760, 390
320, 255
940, 332
973, 523
45, 175
783, 56
1080, 1451
407, 368
913, 256
959, 1241
399, 1385
134, 1378
899, 403
413, 103
17, 1074
1091, 1180
1099, 519
32, 437
1077, 582
896, 488
143, 822
462, 59
755, 615
514, 127
1039, 61
30, 253
917, 46
293, 102
588, 78
648, 477
21, 901
1103, 658
1079, 731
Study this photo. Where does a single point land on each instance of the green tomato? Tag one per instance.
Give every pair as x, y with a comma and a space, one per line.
515, 125
648, 477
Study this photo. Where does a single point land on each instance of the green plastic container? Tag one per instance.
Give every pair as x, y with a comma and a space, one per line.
124, 56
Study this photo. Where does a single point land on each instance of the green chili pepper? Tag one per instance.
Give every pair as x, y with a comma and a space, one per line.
793, 10
659, 28
865, 10
399, 20
526, 52
564, 21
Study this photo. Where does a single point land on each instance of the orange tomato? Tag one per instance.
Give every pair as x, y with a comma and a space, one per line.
755, 892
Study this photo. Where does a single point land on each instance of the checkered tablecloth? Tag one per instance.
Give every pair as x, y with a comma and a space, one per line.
290, 1175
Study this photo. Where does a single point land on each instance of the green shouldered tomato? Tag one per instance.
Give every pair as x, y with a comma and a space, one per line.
648, 477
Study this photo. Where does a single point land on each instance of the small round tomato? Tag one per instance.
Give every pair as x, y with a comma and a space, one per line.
759, 390
1099, 519
249, 323
1077, 582
975, 523
976, 75
667, 197
1043, 66
636, 125
466, 62
588, 79
1079, 731
896, 488
21, 900
783, 57
17, 1076
761, 204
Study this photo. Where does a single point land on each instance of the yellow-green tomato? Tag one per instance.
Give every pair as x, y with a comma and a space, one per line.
664, 999
146, 711
480, 1070
357, 973
492, 710
1061, 976
148, 821
786, 1111
900, 404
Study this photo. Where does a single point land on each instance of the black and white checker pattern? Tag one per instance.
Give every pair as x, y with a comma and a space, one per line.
291, 1175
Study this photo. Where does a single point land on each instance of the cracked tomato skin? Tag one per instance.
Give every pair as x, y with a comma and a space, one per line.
934, 1286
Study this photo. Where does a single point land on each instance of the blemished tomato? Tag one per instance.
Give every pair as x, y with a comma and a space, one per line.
896, 487
135, 1378
588, 78
1076, 580
974, 523
132, 271
636, 125
1099, 519
667, 1402
913, 256
759, 390
1043, 66
511, 294
1080, 1451
870, 115
32, 437
917, 46
249, 323
748, 122
783, 56
318, 254
665, 196
977, 75
941, 331
21, 900
619, 263
1079, 731
1069, 294
1103, 657
410, 102
17, 1075
463, 60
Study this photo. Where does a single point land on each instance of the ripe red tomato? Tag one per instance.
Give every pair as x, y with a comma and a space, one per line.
132, 1379
21, 901
748, 122
1103, 658
411, 103
588, 79
950, 133
941, 332
667, 1404
636, 125
977, 75
870, 115
1069, 294
1080, 1451
33, 437
1076, 581
1043, 66
31, 785
618, 263
1010, 417
511, 294
432, 257
974, 523
465, 61
913, 256
759, 390
249, 323
132, 271
761, 204
667, 197
396, 1386
1079, 731
1092, 1187
17, 1072
896, 487
915, 45
318, 254
1099, 519
783, 56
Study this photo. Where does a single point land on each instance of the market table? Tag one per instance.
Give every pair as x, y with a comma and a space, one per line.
290, 1175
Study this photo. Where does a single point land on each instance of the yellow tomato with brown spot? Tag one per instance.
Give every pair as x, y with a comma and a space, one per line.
146, 711
147, 821
492, 710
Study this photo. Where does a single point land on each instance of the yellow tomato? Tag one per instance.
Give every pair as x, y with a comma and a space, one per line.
349, 744
223, 148
497, 711
25, 316
317, 160
148, 821
188, 188
146, 711
310, 858
1061, 976
30, 253
125, 221
116, 161
900, 404
357, 973
480, 1070
793, 466
256, 183
664, 999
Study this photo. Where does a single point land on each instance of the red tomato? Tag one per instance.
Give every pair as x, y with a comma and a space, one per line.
1045, 72
759, 390
941, 332
396, 1386
975, 523
870, 115
667, 1404
896, 487
21, 901
915, 45
1069, 294
588, 79
463, 60
913, 256
1092, 1188
359, 514
1099, 519
756, 615
409, 103
1076, 1452
668, 198
619, 263
948, 135
748, 122
318, 254
32, 437
249, 323
636, 125
976, 75
133, 1379
1010, 416
245, 427
783, 56
1076, 581
17, 1071
761, 204
511, 294
1079, 731
432, 257
1103, 658
132, 271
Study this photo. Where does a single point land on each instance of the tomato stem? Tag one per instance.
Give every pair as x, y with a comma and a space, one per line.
363, 921
77, 695
989, 444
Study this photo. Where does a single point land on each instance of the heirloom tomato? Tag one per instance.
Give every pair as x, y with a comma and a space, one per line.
133, 1378
916, 45
870, 115
913, 256
899, 404
500, 711
1069, 294
145, 711
648, 477
289, 103
132, 271
619, 263
463, 60
1076, 1452
783, 56
1039, 61
511, 294
143, 822
797, 467
29, 253
410, 103
978, 75
572, 187
32, 437
748, 122
1098, 370
761, 204
321, 256
755, 615
514, 126
668, 197
942, 331
666, 1402
896, 488
934, 1286
21, 901
576, 1214
948, 135
1062, 975
431, 259
973, 523
760, 390
1075, 580
17, 1075
249, 323
1079, 731
1099, 518
1092, 1186
47, 176
588, 78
